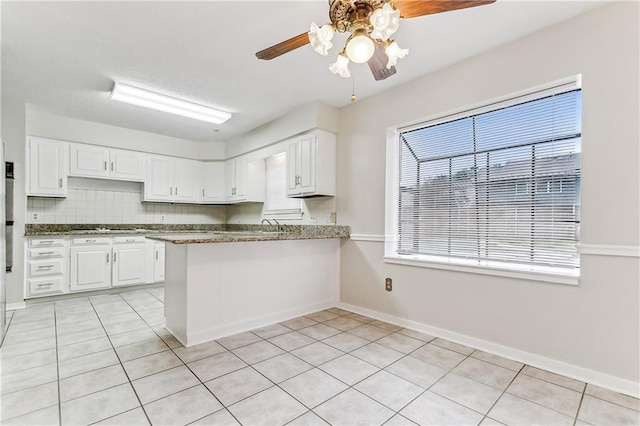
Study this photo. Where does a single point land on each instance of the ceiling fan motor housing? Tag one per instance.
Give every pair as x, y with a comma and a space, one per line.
348, 16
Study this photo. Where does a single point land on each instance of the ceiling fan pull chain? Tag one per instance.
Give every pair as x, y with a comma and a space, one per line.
353, 87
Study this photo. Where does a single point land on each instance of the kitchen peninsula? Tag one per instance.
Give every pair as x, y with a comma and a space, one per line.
223, 283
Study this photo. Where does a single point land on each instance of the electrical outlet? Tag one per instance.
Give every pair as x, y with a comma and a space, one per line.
388, 284
163, 218
35, 217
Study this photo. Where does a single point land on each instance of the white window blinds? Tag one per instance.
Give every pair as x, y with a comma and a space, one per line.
502, 185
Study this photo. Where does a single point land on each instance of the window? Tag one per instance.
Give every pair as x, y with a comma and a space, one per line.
495, 187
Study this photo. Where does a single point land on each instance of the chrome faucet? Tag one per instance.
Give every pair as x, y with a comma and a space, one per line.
266, 220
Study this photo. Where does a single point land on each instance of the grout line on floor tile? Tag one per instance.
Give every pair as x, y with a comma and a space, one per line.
120, 360
575, 419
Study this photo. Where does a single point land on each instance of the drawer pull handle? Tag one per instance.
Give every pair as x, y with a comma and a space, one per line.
156, 254
107, 257
131, 240
47, 241
115, 257
89, 241
45, 266
45, 284
45, 253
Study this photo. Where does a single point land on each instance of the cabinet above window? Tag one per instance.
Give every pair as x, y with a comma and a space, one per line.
311, 165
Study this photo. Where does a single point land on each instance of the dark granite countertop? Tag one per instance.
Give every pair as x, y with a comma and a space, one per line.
195, 234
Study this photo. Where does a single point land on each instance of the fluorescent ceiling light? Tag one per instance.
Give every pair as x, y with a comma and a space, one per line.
144, 98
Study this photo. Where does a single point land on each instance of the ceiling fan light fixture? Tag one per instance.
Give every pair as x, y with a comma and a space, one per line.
148, 99
385, 22
341, 66
359, 48
320, 38
394, 52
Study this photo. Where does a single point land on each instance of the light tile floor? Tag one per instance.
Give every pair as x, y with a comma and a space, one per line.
107, 359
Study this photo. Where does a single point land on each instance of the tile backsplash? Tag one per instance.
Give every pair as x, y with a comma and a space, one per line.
96, 201
100, 201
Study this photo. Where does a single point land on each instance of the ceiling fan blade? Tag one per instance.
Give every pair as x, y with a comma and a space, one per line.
378, 64
283, 47
414, 8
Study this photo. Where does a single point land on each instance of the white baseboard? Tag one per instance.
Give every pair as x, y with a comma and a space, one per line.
214, 333
617, 384
14, 306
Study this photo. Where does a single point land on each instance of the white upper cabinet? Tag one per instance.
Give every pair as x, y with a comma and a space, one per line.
172, 179
47, 167
311, 165
88, 161
158, 186
244, 180
127, 165
213, 182
187, 180
105, 163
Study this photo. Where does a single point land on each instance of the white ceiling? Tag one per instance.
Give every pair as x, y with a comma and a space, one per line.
63, 57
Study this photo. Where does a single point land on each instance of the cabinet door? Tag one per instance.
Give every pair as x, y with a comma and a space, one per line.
158, 268
293, 168
89, 161
229, 180
307, 166
186, 175
129, 264
158, 186
90, 268
241, 179
47, 167
127, 165
213, 180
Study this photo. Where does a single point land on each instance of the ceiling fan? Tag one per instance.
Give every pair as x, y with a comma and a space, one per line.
371, 24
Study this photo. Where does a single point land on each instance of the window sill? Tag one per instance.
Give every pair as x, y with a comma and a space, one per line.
549, 275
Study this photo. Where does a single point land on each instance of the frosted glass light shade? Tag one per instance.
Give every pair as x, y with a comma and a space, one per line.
341, 67
360, 49
320, 38
145, 98
394, 52
385, 21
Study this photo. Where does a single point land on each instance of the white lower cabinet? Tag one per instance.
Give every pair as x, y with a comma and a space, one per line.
90, 267
129, 254
158, 264
94, 262
46, 267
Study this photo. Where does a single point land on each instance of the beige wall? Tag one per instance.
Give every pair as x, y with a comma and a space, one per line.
594, 326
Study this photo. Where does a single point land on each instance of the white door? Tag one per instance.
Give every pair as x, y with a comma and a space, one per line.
241, 179
307, 164
159, 183
88, 161
213, 182
129, 264
47, 167
158, 269
229, 180
127, 165
186, 174
90, 268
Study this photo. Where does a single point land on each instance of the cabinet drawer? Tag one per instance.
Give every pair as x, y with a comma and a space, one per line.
39, 268
46, 242
91, 240
45, 252
129, 239
48, 285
